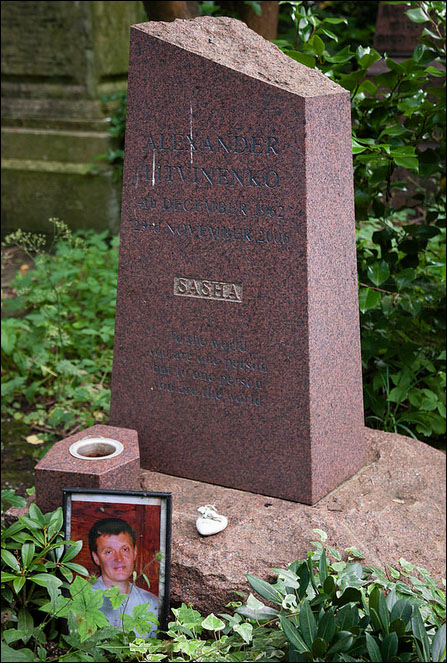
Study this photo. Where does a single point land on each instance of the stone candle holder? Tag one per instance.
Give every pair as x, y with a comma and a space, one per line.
100, 457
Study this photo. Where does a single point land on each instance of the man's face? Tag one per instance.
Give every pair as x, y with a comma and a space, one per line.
115, 554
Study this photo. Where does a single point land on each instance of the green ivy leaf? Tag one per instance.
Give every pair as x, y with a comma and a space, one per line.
378, 272
213, 623
245, 631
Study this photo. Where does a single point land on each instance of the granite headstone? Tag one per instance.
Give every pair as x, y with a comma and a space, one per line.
396, 35
237, 352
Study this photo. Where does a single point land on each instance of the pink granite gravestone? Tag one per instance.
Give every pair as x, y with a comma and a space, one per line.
237, 354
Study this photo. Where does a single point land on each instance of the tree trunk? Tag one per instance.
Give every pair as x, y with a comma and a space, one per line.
265, 25
169, 11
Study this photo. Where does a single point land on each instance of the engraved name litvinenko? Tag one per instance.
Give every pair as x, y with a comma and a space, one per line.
207, 289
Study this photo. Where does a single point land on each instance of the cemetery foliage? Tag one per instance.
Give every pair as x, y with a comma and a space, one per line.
398, 123
57, 342
321, 608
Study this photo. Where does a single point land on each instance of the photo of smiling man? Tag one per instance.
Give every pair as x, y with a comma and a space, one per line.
126, 544
112, 543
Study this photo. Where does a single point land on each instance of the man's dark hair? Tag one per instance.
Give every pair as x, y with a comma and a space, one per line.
108, 526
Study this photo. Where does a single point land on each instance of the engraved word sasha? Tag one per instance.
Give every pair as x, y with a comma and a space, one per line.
206, 289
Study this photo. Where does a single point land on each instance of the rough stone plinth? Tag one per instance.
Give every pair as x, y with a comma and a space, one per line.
237, 351
394, 507
58, 469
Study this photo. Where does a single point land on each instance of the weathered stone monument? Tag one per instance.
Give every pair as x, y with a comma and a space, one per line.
237, 353
58, 60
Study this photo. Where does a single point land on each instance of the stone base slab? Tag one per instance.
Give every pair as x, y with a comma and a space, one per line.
394, 507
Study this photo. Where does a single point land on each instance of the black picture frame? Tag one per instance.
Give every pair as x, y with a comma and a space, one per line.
83, 506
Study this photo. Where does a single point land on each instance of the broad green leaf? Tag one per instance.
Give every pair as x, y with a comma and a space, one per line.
368, 299
329, 585
307, 623
6, 576
45, 579
417, 15
343, 642
323, 567
350, 595
435, 72
27, 553
335, 21
72, 551
16, 655
25, 622
420, 633
378, 272
213, 623
410, 163
18, 583
345, 617
8, 340
373, 649
389, 647
304, 58
10, 560
397, 626
439, 645
367, 56
36, 514
264, 589
326, 626
56, 522
293, 635
12, 529
77, 568
317, 44
14, 500
319, 647
357, 148
303, 574
14, 634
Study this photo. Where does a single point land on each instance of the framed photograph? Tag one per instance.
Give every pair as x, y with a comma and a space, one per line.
127, 544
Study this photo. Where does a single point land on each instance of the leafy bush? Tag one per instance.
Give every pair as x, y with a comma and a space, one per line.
398, 124
323, 610
57, 350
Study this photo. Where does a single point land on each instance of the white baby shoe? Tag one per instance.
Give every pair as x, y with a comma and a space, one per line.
210, 522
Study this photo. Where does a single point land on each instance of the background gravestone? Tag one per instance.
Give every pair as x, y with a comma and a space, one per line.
58, 60
237, 353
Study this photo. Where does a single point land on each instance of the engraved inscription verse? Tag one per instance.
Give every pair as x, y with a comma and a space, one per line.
209, 368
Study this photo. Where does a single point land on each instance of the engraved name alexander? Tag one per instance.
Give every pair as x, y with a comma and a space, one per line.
206, 289
220, 174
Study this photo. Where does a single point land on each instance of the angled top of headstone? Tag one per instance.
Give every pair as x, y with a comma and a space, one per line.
231, 43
